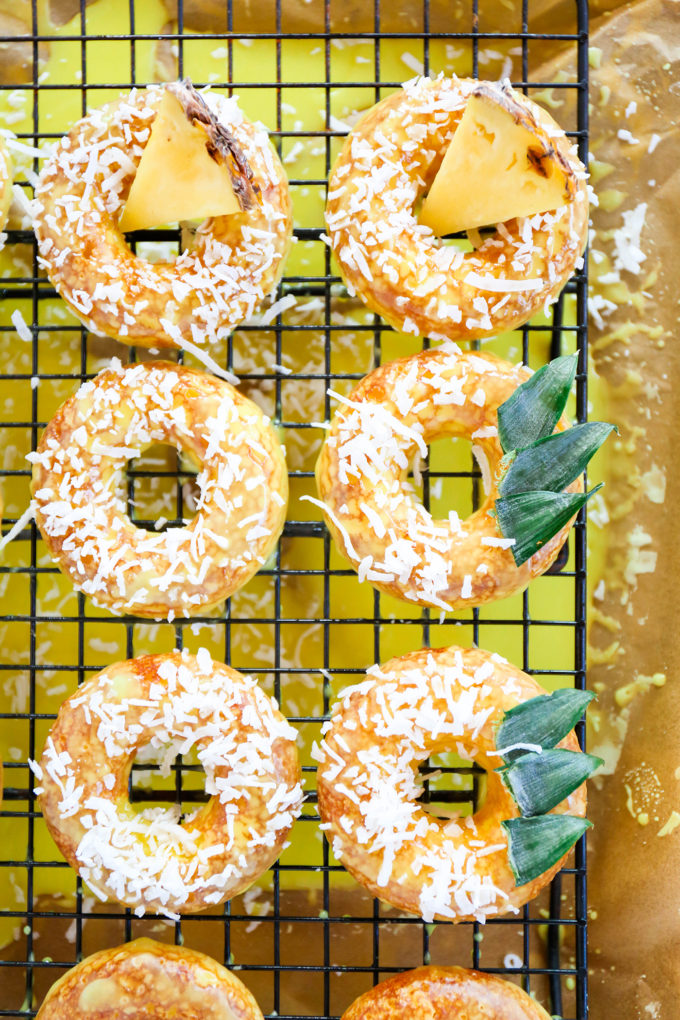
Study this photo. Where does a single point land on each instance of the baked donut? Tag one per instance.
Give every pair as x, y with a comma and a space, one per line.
77, 475
398, 267
412, 707
369, 505
234, 262
148, 859
439, 993
151, 979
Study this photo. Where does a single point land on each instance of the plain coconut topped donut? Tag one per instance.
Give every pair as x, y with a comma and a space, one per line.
399, 266
80, 506
441, 993
233, 262
147, 859
370, 507
380, 730
151, 979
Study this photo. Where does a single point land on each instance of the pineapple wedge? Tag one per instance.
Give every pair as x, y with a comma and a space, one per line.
500, 164
191, 168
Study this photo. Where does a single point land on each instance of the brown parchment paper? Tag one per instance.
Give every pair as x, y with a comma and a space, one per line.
358, 16
634, 855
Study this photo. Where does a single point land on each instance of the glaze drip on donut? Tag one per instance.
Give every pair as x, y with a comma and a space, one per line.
168, 704
424, 703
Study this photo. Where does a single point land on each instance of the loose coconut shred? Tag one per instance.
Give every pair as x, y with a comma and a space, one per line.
167, 704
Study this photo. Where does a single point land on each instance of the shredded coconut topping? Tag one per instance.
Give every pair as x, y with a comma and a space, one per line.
380, 730
399, 267
234, 262
148, 859
80, 504
390, 538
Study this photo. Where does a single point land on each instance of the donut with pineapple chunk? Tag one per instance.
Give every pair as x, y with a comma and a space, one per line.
370, 508
440, 992
148, 978
426, 703
149, 859
395, 261
80, 506
232, 261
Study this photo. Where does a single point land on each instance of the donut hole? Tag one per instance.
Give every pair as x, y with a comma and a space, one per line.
163, 245
453, 786
158, 250
449, 479
160, 488
177, 790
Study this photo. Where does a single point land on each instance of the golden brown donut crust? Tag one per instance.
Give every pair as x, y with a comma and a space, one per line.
78, 470
235, 261
398, 267
370, 510
144, 977
412, 707
440, 993
148, 860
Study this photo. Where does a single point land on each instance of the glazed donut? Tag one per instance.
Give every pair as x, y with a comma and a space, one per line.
151, 979
398, 267
439, 993
369, 505
412, 707
77, 474
147, 859
235, 260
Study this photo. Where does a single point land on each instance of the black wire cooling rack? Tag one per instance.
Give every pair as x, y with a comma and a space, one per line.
307, 940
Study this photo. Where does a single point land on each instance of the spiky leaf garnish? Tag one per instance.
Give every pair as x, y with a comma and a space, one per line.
538, 465
539, 782
540, 776
534, 409
555, 462
532, 518
541, 721
536, 844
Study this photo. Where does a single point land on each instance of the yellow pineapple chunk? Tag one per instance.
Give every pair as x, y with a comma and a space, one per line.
177, 179
499, 165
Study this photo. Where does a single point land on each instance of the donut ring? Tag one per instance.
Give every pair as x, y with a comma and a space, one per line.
234, 263
146, 859
369, 506
425, 703
78, 467
398, 267
442, 992
148, 978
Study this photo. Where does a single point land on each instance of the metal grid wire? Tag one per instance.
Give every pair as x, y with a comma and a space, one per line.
314, 940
